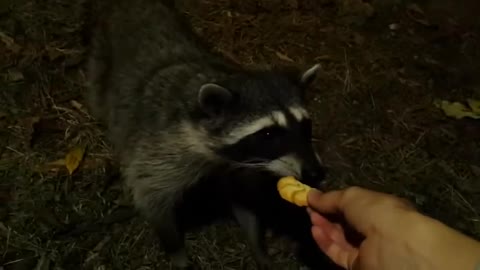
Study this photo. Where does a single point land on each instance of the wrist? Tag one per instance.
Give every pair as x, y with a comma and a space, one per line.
442, 247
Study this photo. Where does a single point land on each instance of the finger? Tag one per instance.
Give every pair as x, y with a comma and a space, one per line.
318, 219
354, 203
333, 231
341, 256
324, 202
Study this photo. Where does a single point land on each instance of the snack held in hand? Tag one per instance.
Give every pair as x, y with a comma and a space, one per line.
293, 191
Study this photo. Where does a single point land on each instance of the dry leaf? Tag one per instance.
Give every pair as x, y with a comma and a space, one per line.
457, 110
60, 164
474, 105
73, 158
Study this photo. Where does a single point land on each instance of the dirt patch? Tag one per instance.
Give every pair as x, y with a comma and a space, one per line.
383, 64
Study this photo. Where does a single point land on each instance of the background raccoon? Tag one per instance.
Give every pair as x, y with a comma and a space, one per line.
199, 138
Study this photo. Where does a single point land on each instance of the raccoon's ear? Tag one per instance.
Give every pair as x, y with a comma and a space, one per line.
213, 98
309, 76
302, 79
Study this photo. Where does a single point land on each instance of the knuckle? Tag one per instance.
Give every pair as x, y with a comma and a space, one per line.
352, 191
350, 194
355, 193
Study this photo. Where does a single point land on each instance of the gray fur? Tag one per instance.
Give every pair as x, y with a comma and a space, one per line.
146, 70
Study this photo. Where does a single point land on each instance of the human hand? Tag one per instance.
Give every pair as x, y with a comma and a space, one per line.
395, 235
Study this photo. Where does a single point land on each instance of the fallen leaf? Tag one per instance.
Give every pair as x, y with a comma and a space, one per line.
60, 164
73, 158
457, 110
474, 105
283, 57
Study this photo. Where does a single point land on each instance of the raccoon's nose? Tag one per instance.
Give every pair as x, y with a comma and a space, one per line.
313, 176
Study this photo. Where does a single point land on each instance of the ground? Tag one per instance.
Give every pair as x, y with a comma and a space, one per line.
383, 65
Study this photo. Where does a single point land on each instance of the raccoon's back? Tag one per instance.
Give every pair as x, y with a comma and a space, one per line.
140, 54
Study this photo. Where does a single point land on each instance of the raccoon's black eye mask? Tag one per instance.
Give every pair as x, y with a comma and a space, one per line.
269, 143
268, 135
306, 128
263, 145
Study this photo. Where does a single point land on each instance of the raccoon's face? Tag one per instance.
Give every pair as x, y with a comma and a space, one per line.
260, 122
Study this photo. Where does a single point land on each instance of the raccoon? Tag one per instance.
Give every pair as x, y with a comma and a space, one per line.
199, 138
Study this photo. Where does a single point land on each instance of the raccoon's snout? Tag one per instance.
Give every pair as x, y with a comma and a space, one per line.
308, 170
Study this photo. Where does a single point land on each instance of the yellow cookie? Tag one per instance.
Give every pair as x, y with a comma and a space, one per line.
293, 191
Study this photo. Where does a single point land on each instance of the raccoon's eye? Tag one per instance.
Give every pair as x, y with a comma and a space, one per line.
269, 133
